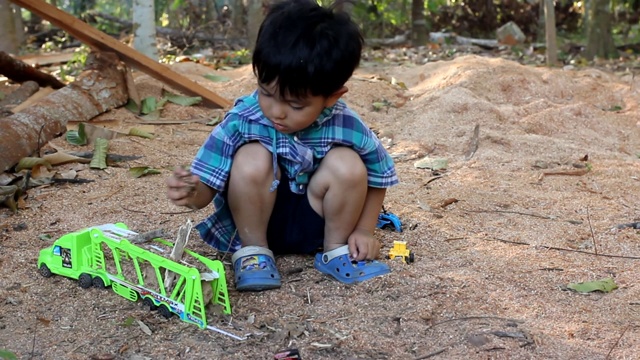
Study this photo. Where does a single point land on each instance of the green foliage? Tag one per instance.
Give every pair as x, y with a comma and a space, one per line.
72, 68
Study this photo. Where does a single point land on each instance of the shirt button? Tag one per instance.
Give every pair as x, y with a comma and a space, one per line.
301, 173
295, 137
301, 187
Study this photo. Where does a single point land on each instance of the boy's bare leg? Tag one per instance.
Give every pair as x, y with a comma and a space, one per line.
249, 198
337, 192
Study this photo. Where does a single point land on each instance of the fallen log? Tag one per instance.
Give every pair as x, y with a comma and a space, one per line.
20, 95
19, 71
100, 87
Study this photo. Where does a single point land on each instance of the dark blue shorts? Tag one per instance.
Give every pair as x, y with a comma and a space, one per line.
294, 227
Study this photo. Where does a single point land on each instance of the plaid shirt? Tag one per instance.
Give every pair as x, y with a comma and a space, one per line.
298, 155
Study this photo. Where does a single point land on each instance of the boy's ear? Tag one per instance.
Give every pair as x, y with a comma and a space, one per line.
333, 98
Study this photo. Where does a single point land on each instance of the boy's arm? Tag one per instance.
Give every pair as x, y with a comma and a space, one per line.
372, 206
362, 244
202, 196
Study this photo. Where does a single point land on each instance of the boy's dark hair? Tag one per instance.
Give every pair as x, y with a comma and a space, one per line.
306, 49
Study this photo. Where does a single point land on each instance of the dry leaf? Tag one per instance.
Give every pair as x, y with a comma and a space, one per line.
60, 158
145, 329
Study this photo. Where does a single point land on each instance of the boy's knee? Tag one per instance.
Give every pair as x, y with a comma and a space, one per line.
345, 164
252, 161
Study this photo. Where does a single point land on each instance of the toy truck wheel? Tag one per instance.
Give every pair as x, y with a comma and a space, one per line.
164, 311
148, 303
98, 283
411, 258
85, 281
45, 271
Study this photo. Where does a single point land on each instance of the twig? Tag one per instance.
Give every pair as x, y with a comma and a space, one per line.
473, 318
593, 236
438, 352
177, 212
578, 172
432, 179
33, 341
617, 341
563, 249
514, 212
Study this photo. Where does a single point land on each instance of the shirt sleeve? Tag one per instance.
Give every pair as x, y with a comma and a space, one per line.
213, 161
381, 171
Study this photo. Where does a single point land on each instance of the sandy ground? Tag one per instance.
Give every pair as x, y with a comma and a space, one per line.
522, 210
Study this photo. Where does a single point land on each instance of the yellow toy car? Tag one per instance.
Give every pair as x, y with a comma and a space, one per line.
399, 249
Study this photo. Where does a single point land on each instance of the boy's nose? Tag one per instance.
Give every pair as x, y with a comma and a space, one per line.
278, 111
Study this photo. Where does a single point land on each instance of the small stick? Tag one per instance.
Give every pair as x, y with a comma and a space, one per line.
438, 352
617, 341
593, 236
563, 249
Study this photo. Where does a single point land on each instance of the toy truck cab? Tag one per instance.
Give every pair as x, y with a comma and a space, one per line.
68, 256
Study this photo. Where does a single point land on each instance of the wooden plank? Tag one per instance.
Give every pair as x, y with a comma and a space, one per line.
98, 40
46, 59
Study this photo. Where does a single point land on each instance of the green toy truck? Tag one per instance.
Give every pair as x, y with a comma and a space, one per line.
102, 256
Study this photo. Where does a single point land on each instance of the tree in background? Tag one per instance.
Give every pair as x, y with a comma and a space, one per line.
419, 31
144, 28
598, 25
9, 41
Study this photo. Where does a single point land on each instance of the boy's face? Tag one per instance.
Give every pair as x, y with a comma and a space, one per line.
290, 115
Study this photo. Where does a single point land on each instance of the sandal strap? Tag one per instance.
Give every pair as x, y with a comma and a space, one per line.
330, 255
251, 250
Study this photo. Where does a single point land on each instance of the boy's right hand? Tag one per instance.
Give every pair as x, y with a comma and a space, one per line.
181, 187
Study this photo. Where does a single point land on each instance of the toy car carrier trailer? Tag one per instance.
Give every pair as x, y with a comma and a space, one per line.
100, 256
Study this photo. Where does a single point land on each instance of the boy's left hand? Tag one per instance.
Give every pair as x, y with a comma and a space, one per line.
362, 245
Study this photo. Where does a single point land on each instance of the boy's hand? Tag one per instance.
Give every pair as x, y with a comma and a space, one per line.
362, 245
181, 187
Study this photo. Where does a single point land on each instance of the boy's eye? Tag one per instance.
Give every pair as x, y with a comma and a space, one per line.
296, 106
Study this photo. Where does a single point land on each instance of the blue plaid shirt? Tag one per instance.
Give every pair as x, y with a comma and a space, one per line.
298, 155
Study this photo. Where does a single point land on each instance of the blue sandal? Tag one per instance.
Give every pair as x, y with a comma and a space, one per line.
255, 269
338, 264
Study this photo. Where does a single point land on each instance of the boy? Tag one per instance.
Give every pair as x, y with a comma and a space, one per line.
291, 168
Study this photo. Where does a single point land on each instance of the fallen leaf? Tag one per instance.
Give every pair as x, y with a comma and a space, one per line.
43, 320
182, 100
604, 285
216, 78
99, 160
431, 163
139, 171
145, 329
7, 355
140, 133
31, 162
59, 158
77, 137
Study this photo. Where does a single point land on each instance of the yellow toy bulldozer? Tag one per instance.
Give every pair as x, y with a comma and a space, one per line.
399, 249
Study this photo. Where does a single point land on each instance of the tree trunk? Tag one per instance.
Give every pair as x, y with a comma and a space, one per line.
144, 28
255, 16
101, 87
237, 17
419, 32
8, 39
599, 38
18, 23
550, 32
